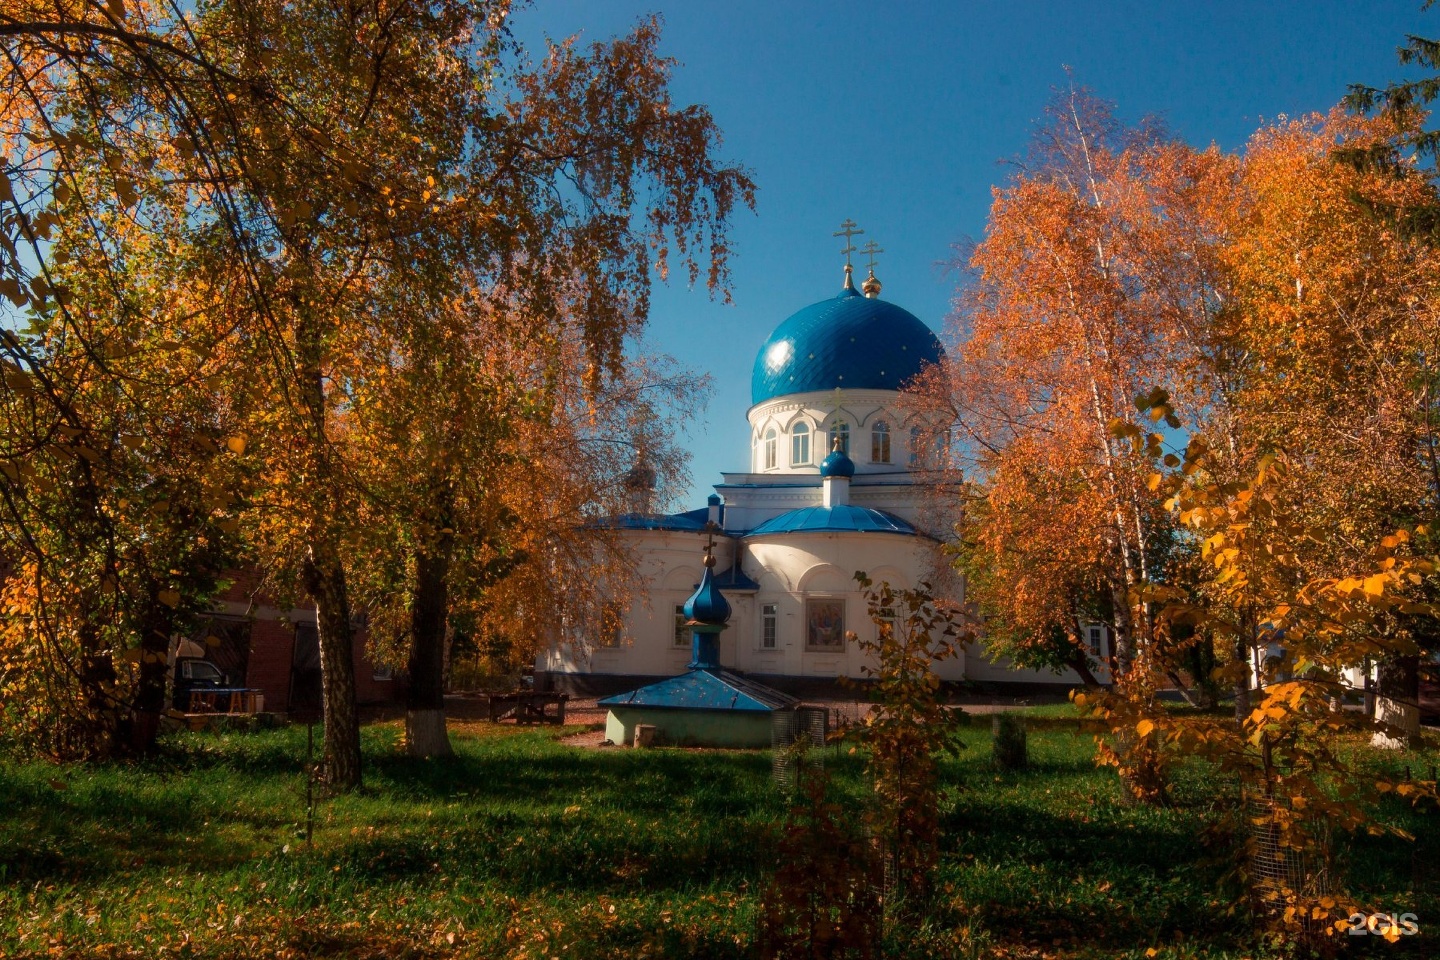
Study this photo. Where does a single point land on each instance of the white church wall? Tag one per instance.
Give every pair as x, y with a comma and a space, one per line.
669, 570
819, 411
805, 575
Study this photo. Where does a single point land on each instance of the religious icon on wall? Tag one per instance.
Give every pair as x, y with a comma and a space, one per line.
825, 624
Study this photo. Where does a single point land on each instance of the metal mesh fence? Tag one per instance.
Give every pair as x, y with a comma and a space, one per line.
1289, 863
797, 736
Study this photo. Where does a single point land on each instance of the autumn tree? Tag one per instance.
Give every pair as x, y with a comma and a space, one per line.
328, 163
1308, 502
487, 466
1334, 320
1081, 294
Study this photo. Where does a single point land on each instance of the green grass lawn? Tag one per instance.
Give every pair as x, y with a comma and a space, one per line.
520, 846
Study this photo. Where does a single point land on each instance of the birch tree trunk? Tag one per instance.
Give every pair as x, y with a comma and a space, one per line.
325, 581
425, 734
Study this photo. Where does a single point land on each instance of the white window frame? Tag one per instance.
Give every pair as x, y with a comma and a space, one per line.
770, 448
886, 615
614, 637
800, 444
769, 626
1095, 638
880, 442
681, 636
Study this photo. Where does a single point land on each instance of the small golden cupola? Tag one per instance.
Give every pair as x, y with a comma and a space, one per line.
871, 286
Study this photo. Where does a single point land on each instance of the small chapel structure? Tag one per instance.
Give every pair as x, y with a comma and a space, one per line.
835, 484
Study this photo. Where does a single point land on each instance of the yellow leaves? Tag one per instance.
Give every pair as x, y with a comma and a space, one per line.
171, 598
1395, 539
1144, 727
235, 444
1375, 586
1120, 429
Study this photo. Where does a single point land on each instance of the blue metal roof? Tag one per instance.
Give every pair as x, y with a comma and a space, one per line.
845, 518
850, 341
704, 690
732, 578
656, 521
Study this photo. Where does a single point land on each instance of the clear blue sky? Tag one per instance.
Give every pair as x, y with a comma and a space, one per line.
898, 114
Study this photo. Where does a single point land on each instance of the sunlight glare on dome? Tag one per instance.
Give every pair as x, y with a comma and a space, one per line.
778, 354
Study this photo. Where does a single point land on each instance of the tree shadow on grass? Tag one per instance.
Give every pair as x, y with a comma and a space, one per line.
1112, 881
644, 782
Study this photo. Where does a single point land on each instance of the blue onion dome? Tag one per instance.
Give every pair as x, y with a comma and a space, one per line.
850, 341
707, 604
837, 464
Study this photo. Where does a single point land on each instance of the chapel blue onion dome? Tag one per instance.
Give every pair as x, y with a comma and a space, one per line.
707, 605
837, 465
850, 341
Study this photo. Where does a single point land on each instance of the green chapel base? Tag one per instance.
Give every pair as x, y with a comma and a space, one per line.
739, 729
701, 708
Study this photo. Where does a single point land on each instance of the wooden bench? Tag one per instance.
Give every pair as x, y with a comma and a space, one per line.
244, 702
526, 706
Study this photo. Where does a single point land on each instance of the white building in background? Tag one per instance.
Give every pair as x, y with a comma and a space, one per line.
832, 488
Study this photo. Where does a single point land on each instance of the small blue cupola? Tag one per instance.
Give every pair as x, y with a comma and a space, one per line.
706, 613
835, 473
837, 464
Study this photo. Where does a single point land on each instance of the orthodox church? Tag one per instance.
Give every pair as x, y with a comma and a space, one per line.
834, 486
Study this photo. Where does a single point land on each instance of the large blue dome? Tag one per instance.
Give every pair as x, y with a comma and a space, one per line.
850, 341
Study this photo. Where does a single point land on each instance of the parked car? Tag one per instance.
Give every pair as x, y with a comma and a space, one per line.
192, 674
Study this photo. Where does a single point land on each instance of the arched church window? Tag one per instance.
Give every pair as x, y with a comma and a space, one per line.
840, 430
770, 448
880, 442
800, 445
915, 446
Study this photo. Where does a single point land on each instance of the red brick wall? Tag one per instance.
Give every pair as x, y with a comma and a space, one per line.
272, 644
367, 688
272, 648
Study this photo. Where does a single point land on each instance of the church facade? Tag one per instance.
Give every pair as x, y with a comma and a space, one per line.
834, 486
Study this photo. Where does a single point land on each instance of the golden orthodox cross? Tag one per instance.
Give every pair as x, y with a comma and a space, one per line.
848, 230
870, 249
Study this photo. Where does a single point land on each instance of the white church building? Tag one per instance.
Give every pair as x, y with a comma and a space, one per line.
834, 485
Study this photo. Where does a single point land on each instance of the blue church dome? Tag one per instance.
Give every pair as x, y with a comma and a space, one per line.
837, 465
850, 341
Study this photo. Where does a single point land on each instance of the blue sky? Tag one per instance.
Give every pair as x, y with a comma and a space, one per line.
898, 115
